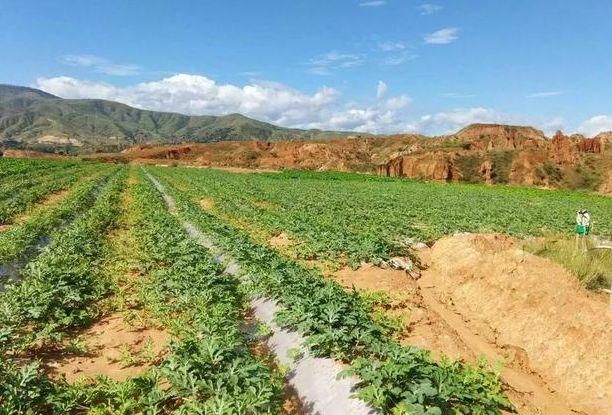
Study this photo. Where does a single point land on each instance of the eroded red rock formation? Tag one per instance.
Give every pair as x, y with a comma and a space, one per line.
562, 149
176, 153
436, 166
486, 171
590, 145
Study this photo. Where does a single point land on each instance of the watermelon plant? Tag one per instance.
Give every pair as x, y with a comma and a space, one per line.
339, 324
209, 365
353, 218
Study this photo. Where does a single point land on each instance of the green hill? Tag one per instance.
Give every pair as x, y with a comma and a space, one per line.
35, 120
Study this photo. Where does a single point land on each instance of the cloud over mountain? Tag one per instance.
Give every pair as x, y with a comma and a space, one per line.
264, 100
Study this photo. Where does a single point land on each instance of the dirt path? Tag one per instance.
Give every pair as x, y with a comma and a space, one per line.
430, 325
482, 296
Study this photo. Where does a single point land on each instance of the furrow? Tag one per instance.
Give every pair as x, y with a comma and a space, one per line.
314, 378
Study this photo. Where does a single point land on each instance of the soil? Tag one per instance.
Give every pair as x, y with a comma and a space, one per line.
207, 204
54, 198
107, 341
482, 296
423, 327
50, 200
264, 204
280, 240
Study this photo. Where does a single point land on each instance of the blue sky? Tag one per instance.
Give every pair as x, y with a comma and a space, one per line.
366, 65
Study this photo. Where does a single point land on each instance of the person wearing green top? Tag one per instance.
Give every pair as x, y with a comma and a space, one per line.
584, 225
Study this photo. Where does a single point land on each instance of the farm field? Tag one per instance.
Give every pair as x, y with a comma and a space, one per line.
134, 290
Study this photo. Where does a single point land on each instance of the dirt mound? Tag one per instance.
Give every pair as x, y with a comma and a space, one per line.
526, 303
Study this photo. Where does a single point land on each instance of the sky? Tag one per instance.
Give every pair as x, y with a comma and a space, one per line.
379, 66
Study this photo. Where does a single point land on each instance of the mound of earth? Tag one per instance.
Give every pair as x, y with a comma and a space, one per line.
502, 136
523, 302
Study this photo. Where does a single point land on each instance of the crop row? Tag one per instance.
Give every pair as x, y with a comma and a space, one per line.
12, 185
56, 288
209, 366
56, 292
336, 215
20, 238
11, 166
24, 198
397, 379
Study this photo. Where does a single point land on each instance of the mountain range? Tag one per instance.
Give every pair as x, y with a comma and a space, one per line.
35, 120
31, 119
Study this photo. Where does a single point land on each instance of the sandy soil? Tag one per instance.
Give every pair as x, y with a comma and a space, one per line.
54, 198
107, 342
482, 296
280, 240
423, 327
532, 304
207, 204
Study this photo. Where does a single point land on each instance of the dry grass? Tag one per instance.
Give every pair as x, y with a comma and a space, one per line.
593, 267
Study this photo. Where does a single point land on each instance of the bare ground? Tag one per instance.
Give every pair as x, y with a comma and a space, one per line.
280, 240
126, 341
207, 204
482, 296
113, 348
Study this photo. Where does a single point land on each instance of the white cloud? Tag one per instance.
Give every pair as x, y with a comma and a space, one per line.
268, 101
67, 87
428, 8
550, 127
399, 58
374, 3
394, 53
381, 89
545, 94
102, 65
596, 125
251, 74
391, 46
451, 121
324, 64
396, 103
280, 104
443, 36
318, 70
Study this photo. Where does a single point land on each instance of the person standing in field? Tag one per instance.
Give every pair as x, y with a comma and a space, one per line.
584, 225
